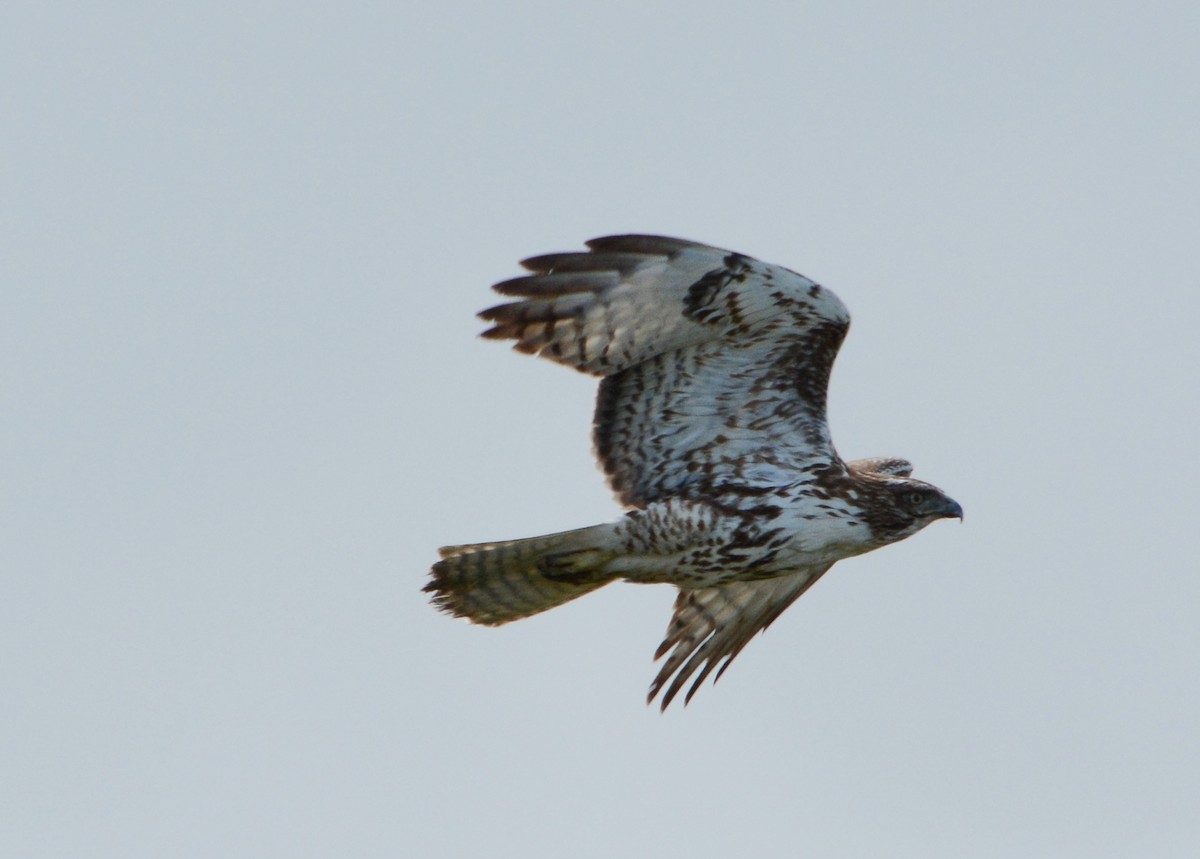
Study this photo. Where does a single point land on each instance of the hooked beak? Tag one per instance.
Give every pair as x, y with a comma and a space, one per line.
950, 509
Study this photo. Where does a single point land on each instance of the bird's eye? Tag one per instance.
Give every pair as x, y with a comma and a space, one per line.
915, 498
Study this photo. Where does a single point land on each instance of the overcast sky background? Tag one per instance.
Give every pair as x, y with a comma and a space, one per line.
244, 403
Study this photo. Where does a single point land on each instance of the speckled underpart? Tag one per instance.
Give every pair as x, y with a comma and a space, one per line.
710, 426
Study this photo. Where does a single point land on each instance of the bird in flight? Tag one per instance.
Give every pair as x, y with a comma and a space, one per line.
710, 426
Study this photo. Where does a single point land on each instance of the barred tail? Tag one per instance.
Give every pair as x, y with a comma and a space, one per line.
494, 583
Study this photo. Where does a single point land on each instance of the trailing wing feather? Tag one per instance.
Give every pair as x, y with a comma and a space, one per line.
712, 625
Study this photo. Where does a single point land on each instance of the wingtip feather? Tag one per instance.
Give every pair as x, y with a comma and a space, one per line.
641, 244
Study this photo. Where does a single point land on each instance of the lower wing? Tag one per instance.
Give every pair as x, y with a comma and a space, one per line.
712, 625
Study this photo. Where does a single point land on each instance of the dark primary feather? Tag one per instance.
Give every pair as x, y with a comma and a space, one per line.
643, 244
622, 263
551, 285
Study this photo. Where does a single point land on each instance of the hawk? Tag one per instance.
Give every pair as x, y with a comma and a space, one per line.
710, 426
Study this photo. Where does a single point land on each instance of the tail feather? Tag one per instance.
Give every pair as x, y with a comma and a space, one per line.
493, 583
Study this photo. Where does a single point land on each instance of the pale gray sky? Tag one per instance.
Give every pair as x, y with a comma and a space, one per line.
245, 403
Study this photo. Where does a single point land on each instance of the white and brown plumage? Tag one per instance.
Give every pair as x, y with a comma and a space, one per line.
710, 425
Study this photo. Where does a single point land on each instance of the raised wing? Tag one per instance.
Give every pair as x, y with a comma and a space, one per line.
715, 364
712, 625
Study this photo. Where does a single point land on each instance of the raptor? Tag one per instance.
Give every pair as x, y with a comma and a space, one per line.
710, 426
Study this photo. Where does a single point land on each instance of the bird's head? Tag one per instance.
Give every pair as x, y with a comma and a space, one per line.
903, 506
